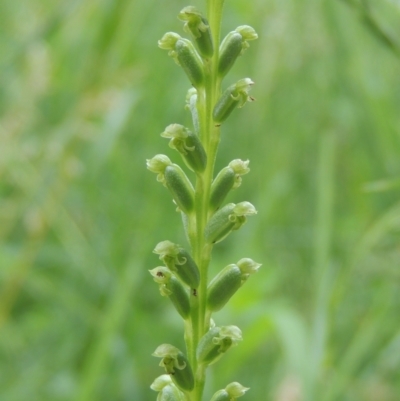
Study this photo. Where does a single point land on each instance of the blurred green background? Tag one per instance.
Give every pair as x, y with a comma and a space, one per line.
84, 95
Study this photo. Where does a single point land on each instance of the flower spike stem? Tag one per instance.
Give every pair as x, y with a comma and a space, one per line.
207, 220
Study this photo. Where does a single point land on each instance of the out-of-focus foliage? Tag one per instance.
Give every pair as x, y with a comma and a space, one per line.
84, 95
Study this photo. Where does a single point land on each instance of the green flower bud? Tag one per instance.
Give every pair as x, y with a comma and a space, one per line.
173, 177
230, 393
228, 178
235, 96
179, 261
198, 27
216, 342
233, 45
176, 365
185, 55
172, 288
229, 218
191, 105
167, 389
188, 145
224, 285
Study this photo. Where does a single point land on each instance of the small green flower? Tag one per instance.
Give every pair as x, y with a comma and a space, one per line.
216, 342
198, 27
230, 393
176, 365
233, 45
229, 218
188, 145
185, 55
174, 178
225, 284
237, 95
171, 287
179, 261
227, 179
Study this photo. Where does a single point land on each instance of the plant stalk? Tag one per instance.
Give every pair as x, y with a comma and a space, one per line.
210, 136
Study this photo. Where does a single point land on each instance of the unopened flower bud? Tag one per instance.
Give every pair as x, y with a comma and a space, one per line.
185, 55
229, 218
174, 178
179, 261
176, 365
231, 392
233, 45
235, 96
216, 342
225, 284
188, 145
227, 179
172, 288
198, 27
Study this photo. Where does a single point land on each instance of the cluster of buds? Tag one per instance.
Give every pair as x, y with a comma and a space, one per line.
180, 277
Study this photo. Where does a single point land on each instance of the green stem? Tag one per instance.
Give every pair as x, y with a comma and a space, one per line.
210, 136
214, 15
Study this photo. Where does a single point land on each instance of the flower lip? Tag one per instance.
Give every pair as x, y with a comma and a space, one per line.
158, 163
175, 131
235, 389
247, 32
244, 209
166, 248
160, 382
166, 350
168, 41
248, 266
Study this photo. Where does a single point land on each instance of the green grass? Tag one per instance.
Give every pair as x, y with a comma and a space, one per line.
83, 99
